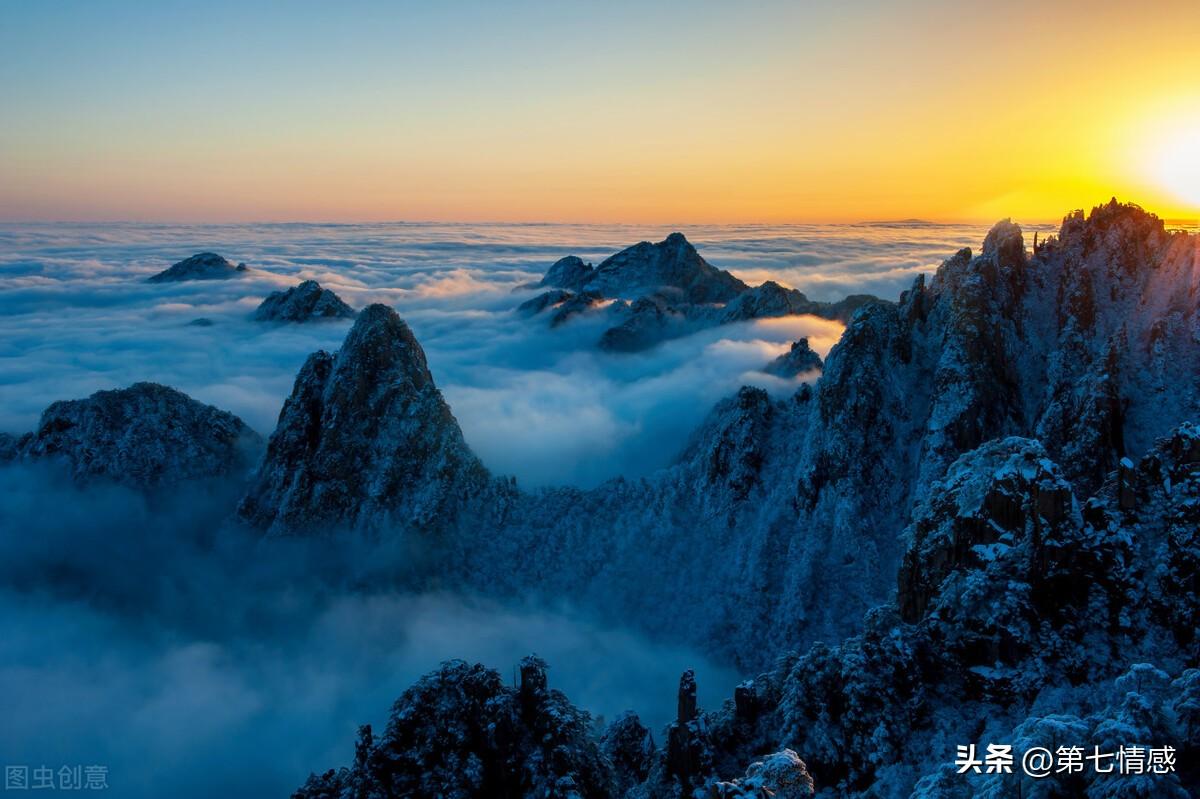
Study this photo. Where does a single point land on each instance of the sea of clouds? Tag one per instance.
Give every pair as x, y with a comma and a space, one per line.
543, 405
195, 662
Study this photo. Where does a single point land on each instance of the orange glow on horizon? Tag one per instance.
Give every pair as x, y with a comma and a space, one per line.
934, 111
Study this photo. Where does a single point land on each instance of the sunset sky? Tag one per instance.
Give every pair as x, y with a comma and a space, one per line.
557, 111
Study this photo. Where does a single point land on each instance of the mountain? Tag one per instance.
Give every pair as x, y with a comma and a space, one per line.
365, 441
771, 299
672, 267
303, 303
1025, 616
980, 525
202, 266
146, 436
666, 290
781, 519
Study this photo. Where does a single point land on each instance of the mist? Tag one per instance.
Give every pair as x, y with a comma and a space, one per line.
193, 659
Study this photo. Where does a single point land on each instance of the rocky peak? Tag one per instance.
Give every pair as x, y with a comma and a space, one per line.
646, 324
567, 273
146, 436
766, 300
547, 299
365, 441
201, 266
689, 754
670, 265
302, 303
796, 361
1006, 244
629, 747
381, 351
1126, 221
731, 445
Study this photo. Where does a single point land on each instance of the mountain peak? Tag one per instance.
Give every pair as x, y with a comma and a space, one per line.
365, 440
302, 303
671, 266
381, 344
796, 361
201, 266
1005, 243
567, 273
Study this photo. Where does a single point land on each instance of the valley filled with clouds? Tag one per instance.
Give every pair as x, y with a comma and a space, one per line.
541, 404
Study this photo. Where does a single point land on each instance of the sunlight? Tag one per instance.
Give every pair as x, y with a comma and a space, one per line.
1175, 162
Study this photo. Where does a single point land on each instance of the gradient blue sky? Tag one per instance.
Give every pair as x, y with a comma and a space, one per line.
764, 111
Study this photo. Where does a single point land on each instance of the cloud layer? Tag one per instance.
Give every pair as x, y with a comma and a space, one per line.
195, 662
542, 405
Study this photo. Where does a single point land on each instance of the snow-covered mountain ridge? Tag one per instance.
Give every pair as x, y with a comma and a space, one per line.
781, 520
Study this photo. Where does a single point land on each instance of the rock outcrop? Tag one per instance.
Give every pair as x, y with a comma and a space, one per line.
462, 732
567, 273
202, 266
647, 322
671, 267
798, 360
772, 300
365, 441
303, 303
547, 299
146, 437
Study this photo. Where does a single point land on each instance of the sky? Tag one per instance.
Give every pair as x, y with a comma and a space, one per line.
699, 112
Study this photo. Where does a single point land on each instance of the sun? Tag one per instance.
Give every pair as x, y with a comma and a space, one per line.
1175, 162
